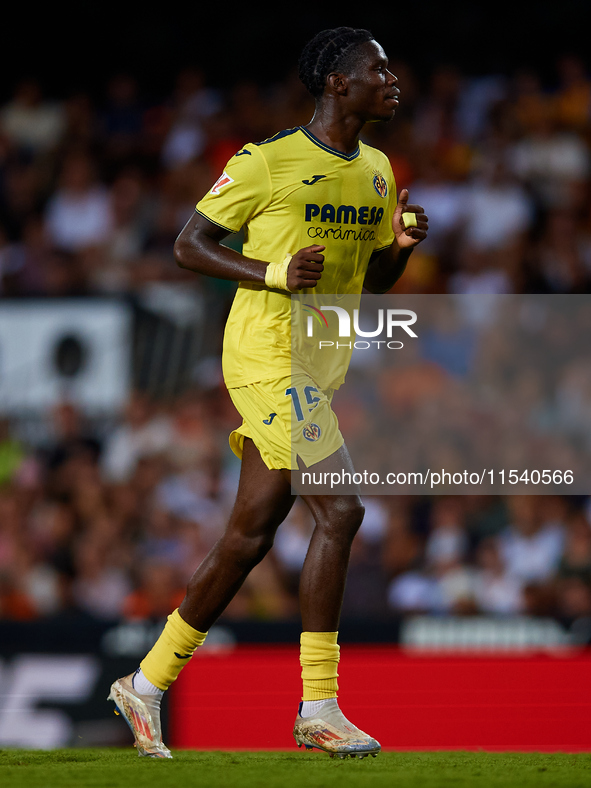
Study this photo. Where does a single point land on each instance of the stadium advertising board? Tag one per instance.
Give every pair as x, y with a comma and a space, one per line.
428, 701
58, 349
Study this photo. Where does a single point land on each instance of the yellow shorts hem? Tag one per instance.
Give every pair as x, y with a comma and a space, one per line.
236, 440
281, 434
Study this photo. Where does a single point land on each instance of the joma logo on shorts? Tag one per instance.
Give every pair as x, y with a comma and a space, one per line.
344, 214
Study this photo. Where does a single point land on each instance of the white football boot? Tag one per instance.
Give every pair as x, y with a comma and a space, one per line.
142, 714
331, 731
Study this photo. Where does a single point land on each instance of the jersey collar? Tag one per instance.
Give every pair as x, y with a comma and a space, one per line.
328, 149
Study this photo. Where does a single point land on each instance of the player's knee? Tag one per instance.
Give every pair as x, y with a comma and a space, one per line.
343, 518
250, 547
355, 514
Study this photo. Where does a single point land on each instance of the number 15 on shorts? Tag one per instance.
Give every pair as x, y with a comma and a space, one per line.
311, 400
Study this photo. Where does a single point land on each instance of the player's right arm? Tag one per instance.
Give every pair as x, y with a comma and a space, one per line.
198, 248
243, 191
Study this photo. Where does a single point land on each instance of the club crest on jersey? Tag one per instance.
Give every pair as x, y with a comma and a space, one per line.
379, 184
223, 180
312, 432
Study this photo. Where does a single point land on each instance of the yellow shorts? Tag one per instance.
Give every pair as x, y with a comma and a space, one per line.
286, 419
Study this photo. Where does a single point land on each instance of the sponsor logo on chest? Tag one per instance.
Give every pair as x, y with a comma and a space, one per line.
343, 214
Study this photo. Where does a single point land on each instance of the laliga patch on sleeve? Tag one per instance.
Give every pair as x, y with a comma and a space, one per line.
223, 180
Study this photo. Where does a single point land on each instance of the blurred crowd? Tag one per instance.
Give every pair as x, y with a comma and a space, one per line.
493, 383
114, 527
95, 188
93, 191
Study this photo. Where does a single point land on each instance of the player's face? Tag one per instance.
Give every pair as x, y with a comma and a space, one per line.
371, 88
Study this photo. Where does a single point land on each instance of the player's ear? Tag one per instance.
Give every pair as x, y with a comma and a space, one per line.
337, 83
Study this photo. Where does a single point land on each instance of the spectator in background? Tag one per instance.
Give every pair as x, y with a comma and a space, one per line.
552, 162
12, 526
445, 198
70, 439
193, 497
193, 103
572, 100
15, 605
557, 256
478, 96
132, 211
436, 116
160, 539
31, 123
446, 556
158, 587
530, 105
573, 583
412, 588
82, 125
486, 516
496, 591
37, 583
51, 527
447, 541
68, 461
415, 592
576, 558
573, 399
496, 215
193, 445
291, 544
10, 262
22, 190
143, 433
574, 603
532, 546
25, 264
100, 586
78, 216
121, 121
367, 582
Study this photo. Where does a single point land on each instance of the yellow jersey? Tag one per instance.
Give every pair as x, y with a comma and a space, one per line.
289, 192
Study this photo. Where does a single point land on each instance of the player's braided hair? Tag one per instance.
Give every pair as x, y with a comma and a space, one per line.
330, 50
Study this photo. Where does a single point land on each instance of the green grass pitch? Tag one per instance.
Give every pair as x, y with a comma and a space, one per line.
109, 768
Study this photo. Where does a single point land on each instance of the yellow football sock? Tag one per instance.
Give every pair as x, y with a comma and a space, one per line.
319, 658
171, 652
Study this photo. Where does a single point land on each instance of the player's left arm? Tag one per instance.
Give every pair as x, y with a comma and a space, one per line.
386, 266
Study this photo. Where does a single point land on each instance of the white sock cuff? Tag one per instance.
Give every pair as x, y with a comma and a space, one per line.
141, 684
312, 707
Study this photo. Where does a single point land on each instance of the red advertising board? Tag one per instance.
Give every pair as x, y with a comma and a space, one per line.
247, 699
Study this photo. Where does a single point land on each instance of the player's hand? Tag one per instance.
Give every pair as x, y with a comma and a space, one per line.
408, 237
305, 268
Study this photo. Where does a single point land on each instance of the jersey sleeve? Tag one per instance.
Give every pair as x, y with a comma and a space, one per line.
385, 235
242, 191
